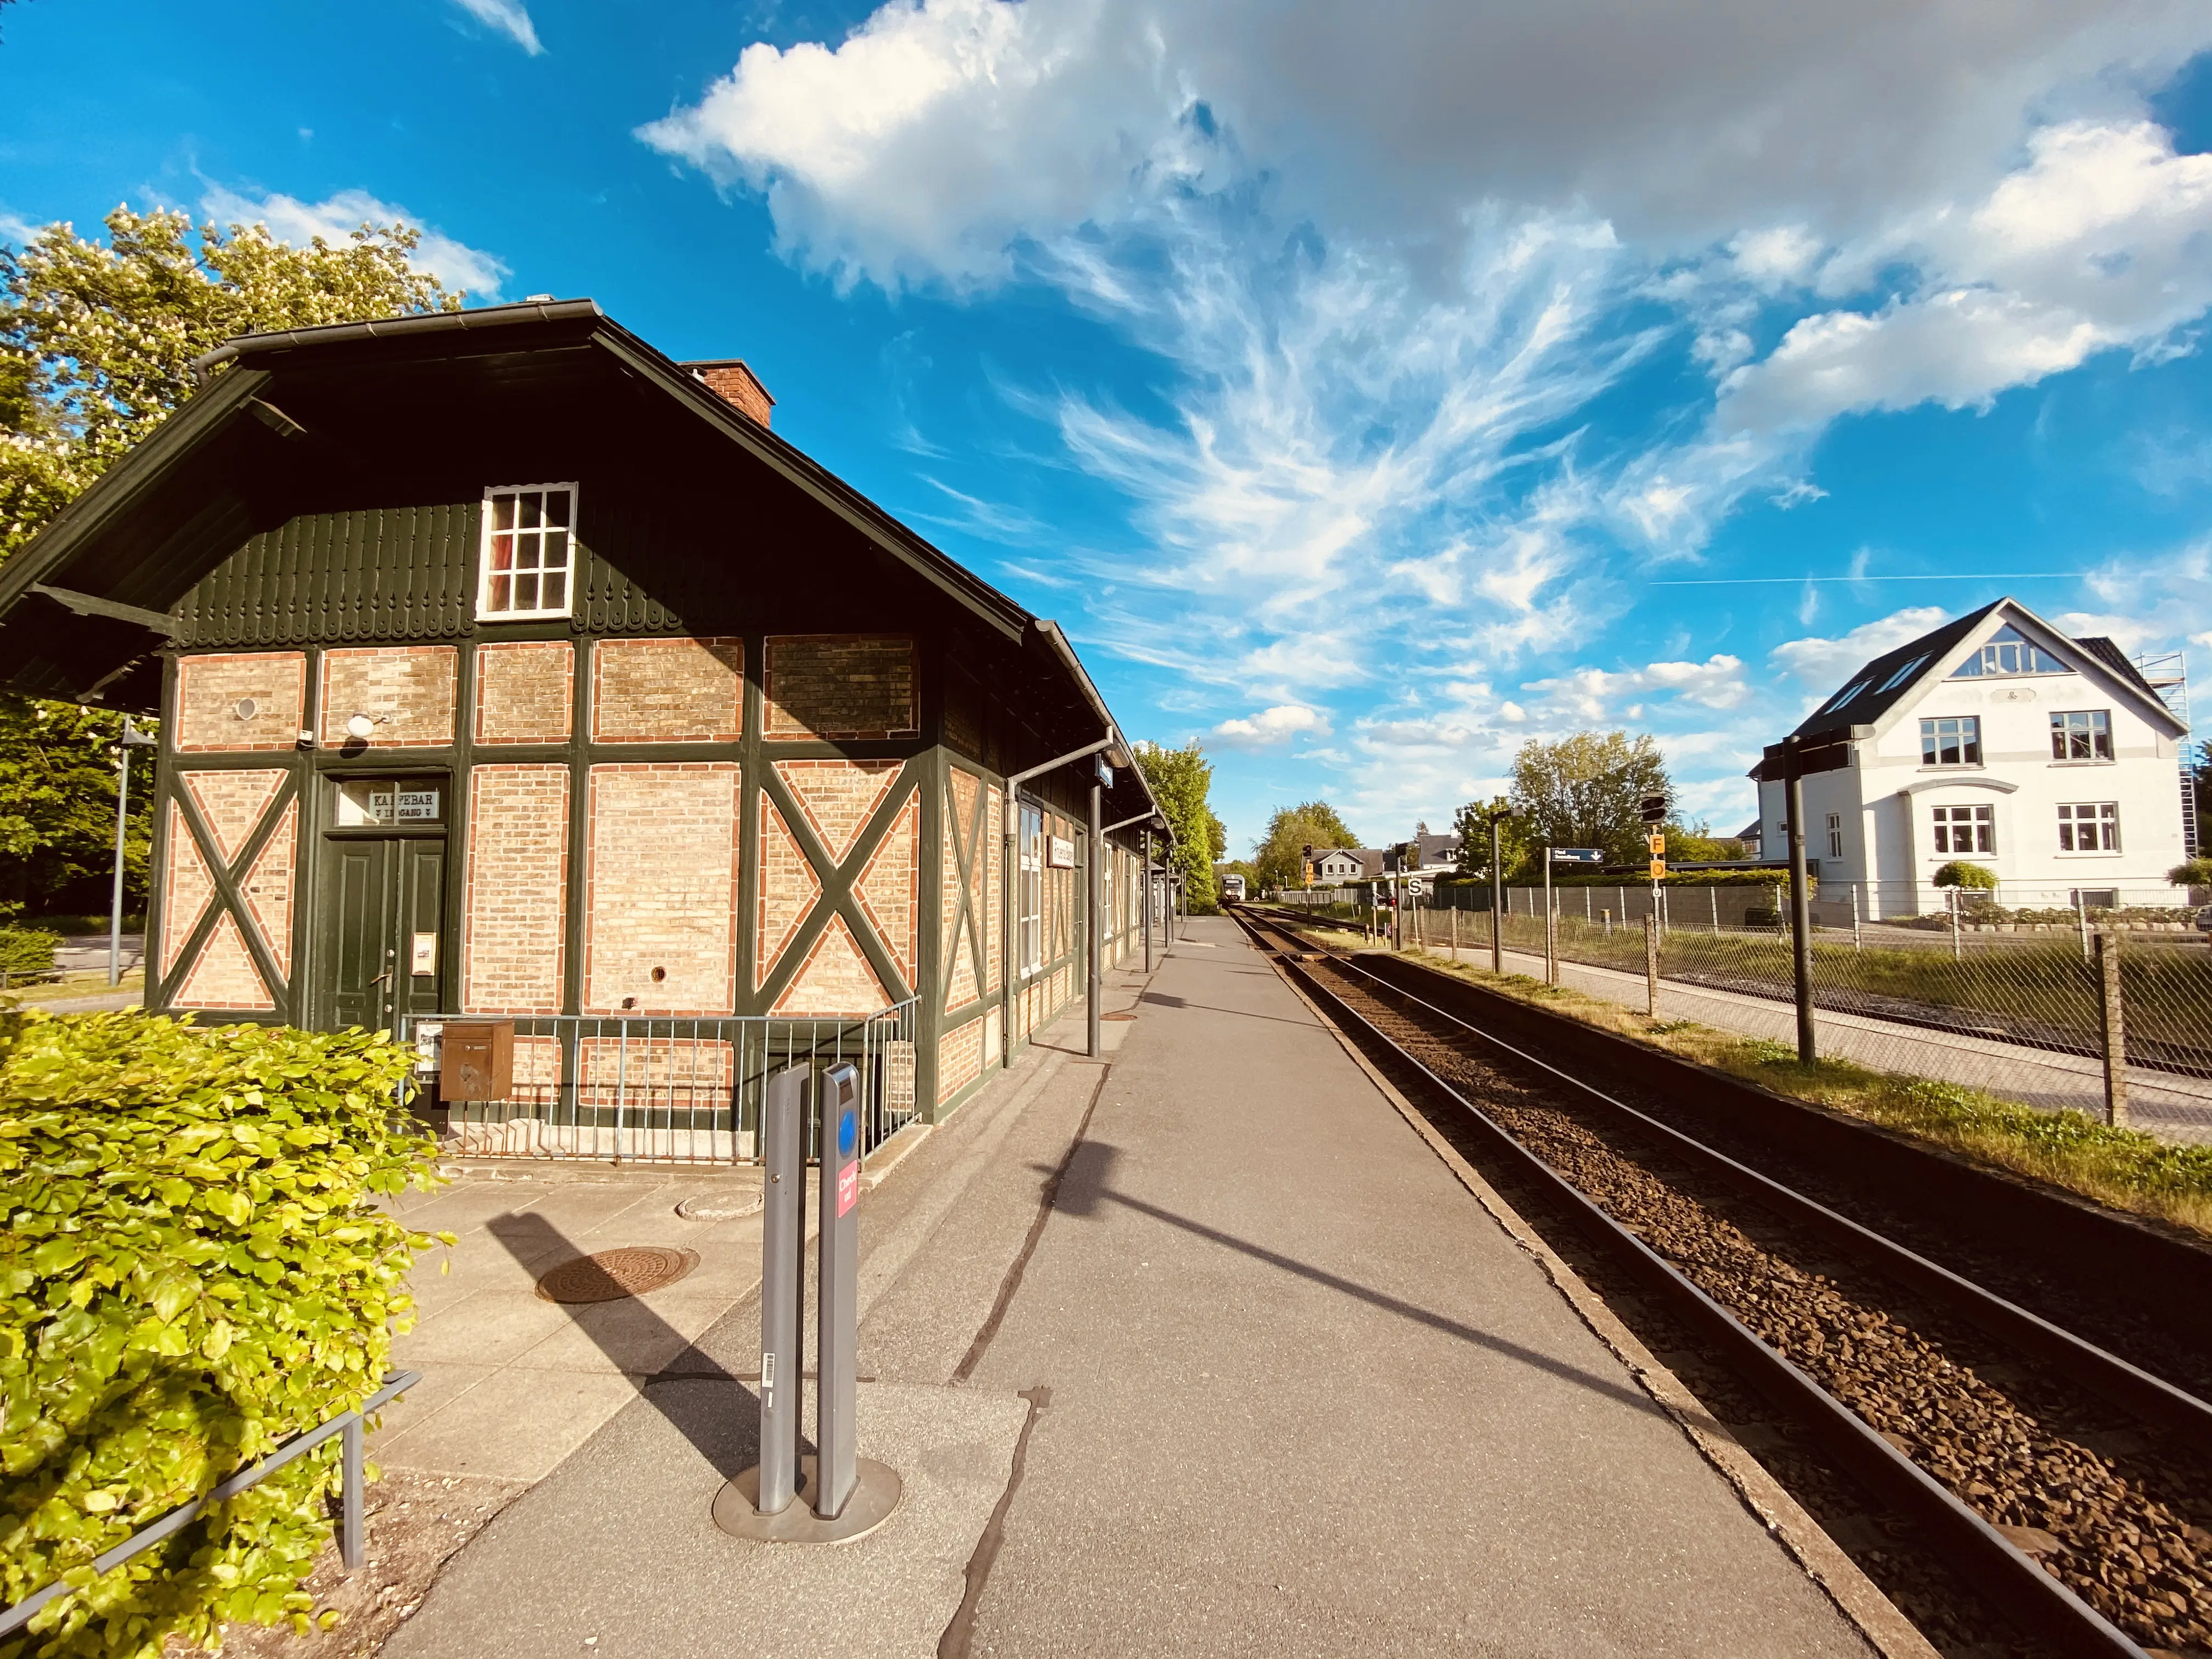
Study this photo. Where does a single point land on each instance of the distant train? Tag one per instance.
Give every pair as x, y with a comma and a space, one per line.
1232, 889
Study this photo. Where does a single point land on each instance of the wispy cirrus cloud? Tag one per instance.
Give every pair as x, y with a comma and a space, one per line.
510, 17
1396, 270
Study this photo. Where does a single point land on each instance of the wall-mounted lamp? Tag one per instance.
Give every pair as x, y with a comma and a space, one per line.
246, 709
360, 727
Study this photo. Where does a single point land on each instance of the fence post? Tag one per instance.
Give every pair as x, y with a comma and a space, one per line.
1651, 965
1953, 899
1801, 908
1551, 940
2082, 921
2114, 1023
1856, 943
353, 1479
1714, 894
1454, 931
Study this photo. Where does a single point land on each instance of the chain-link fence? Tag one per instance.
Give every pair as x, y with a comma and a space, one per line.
2005, 997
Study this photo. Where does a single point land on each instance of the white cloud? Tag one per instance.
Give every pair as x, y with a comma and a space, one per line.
1594, 695
1391, 260
1272, 727
1824, 662
509, 17
939, 132
2103, 240
337, 217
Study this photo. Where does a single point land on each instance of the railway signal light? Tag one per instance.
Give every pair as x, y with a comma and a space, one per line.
1652, 809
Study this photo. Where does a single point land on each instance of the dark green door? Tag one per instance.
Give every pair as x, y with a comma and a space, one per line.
380, 929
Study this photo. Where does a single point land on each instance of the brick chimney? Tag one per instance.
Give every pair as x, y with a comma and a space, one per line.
729, 379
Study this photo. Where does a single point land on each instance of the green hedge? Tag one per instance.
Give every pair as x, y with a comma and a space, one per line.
27, 951
192, 1271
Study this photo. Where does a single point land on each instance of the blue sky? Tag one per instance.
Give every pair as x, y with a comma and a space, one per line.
1366, 389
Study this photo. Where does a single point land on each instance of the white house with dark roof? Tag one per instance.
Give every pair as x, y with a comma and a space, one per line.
2000, 741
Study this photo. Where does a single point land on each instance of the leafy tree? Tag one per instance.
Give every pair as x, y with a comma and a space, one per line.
96, 343
97, 340
1180, 779
1584, 790
58, 782
1697, 844
1473, 833
1279, 856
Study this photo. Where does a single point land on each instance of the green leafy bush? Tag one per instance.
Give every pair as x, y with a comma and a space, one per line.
2195, 872
25, 950
192, 1271
1958, 873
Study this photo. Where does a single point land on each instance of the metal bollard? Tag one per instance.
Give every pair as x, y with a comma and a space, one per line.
783, 1233
848, 1495
835, 1397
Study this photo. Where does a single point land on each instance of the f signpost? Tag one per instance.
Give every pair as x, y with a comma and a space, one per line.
1790, 762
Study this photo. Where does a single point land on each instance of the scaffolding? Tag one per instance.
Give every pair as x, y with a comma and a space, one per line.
2167, 673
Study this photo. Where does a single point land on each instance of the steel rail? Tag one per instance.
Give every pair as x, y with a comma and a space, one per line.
2041, 1606
2150, 1398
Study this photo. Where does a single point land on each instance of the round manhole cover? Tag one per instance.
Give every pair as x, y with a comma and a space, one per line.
612, 1274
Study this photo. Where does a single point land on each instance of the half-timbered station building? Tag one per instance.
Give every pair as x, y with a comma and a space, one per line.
509, 670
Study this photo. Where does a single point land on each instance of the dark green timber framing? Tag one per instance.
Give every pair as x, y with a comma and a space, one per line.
324, 492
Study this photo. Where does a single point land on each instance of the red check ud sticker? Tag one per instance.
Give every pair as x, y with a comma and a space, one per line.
849, 1187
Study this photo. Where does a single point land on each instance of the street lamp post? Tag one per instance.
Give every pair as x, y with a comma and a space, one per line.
133, 738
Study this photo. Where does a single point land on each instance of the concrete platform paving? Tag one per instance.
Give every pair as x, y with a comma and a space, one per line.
1256, 1375
1307, 1398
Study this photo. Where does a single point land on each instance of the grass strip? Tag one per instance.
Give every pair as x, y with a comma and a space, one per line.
2123, 1169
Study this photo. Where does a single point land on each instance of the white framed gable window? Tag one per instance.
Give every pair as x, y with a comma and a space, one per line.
527, 564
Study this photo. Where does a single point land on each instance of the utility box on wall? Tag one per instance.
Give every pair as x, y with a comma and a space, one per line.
476, 1059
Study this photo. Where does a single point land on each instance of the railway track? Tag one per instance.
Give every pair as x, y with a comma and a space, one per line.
2062, 1484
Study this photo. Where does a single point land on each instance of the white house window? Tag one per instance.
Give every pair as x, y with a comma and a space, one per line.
529, 549
1835, 835
2089, 827
1966, 830
1029, 935
2084, 734
2007, 653
1952, 742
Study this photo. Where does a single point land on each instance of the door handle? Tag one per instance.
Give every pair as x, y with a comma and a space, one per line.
384, 978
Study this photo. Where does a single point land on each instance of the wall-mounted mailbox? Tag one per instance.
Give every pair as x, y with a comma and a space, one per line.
478, 1060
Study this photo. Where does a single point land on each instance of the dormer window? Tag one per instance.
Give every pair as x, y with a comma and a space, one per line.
529, 552
2008, 653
